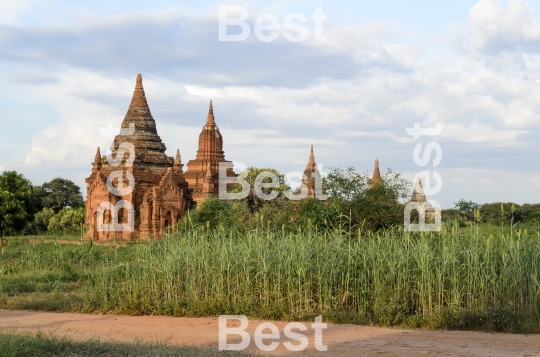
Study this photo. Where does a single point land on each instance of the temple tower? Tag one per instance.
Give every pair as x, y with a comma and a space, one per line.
376, 178
419, 197
150, 181
313, 179
202, 173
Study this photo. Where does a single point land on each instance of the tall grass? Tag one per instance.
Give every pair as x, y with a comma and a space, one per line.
457, 278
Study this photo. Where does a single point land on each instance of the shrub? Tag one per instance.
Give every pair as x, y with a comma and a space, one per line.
68, 220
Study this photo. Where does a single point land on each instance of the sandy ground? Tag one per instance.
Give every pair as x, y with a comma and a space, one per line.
341, 340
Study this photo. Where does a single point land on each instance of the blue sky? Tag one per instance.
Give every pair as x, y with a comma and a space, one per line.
68, 69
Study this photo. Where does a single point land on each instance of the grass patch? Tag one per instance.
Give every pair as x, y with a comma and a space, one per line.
469, 278
39, 345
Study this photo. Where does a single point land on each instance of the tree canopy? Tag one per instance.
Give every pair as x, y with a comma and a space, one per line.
16, 204
251, 176
58, 194
364, 203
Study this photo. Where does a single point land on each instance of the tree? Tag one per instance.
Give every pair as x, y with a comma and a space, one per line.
499, 212
313, 211
213, 212
373, 206
466, 207
16, 204
58, 194
68, 220
42, 220
254, 202
345, 185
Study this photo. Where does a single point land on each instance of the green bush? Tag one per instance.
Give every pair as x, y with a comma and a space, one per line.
354, 199
214, 212
16, 204
68, 220
312, 210
42, 220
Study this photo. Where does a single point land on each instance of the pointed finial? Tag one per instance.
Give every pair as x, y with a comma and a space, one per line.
139, 98
210, 118
311, 157
208, 180
376, 178
96, 165
97, 159
177, 165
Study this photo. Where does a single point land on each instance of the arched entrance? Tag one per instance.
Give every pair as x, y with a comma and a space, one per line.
167, 220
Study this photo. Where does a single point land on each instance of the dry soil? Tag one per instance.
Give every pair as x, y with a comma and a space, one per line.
341, 340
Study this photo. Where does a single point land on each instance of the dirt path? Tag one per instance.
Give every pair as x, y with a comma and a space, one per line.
342, 340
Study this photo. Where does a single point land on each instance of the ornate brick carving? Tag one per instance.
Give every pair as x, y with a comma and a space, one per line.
376, 178
419, 196
312, 176
202, 173
160, 196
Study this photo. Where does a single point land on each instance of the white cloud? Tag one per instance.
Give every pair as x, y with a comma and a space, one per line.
71, 141
12, 10
498, 28
249, 93
352, 97
479, 133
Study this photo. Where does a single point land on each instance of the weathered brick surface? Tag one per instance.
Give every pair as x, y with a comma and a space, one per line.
160, 196
376, 178
419, 197
312, 176
202, 173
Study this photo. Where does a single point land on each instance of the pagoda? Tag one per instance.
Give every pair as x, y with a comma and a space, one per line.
313, 179
138, 176
376, 178
418, 196
202, 174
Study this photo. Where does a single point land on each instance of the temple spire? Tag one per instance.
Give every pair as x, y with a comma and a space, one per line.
96, 165
97, 159
311, 165
208, 181
311, 156
139, 98
419, 197
177, 165
312, 176
139, 129
210, 119
418, 194
376, 178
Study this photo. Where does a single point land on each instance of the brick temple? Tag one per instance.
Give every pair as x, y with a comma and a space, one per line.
139, 188
202, 172
313, 180
160, 194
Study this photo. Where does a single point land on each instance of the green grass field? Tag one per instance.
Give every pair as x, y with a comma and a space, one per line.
475, 278
40, 345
